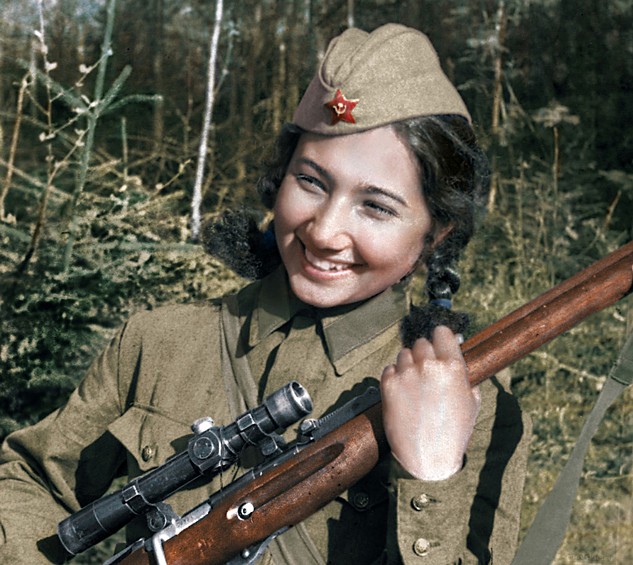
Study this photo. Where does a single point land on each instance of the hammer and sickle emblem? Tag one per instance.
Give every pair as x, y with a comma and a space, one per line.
341, 108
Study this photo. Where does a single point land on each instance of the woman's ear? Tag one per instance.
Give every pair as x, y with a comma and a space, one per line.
439, 233
431, 241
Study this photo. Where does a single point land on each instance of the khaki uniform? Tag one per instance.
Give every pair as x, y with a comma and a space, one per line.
163, 370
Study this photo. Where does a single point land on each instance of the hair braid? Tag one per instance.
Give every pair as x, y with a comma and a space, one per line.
456, 177
442, 282
442, 279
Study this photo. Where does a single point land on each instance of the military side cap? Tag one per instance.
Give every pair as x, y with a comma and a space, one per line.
368, 80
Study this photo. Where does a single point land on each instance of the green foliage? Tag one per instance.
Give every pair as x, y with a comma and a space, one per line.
53, 325
562, 194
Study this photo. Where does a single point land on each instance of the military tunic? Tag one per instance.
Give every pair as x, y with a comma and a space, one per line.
162, 371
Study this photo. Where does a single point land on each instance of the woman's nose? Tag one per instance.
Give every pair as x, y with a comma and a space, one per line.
329, 229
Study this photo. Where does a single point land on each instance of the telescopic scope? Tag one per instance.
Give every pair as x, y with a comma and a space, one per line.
208, 453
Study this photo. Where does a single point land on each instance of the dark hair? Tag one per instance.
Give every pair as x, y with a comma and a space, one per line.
455, 178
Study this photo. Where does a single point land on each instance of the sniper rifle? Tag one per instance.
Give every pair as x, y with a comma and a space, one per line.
235, 525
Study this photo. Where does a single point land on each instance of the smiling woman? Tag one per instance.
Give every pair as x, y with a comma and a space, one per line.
350, 218
378, 175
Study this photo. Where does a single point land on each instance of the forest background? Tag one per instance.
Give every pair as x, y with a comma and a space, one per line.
101, 115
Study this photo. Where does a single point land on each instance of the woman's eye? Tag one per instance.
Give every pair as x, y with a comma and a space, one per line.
379, 209
309, 181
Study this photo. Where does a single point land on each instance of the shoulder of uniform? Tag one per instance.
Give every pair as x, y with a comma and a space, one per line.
175, 317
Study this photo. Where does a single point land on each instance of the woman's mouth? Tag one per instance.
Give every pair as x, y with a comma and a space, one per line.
324, 264
324, 269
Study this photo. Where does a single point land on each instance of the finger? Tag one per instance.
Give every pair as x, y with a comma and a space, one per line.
423, 349
387, 381
388, 372
446, 343
404, 358
391, 389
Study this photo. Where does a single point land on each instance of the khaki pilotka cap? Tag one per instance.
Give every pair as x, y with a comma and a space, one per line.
368, 80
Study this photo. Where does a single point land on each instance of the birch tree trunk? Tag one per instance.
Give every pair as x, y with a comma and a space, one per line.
279, 82
500, 33
14, 146
497, 97
196, 204
156, 47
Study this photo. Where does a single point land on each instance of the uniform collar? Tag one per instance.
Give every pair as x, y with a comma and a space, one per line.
276, 304
345, 328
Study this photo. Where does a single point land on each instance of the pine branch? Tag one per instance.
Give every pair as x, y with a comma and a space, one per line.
114, 90
63, 94
131, 99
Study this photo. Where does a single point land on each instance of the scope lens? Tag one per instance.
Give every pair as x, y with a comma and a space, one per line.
302, 398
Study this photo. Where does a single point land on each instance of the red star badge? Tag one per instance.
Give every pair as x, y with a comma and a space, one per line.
341, 108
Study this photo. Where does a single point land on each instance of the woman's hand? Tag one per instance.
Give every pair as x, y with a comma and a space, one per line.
429, 407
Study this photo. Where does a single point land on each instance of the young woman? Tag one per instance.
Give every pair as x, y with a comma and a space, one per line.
378, 175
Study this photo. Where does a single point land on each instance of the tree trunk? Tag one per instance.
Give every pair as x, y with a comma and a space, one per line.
196, 205
296, 28
500, 33
14, 145
251, 48
279, 82
33, 81
156, 46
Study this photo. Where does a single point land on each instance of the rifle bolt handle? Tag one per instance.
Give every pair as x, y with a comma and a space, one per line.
307, 425
201, 425
245, 510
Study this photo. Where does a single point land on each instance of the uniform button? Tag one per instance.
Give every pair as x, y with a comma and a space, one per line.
361, 500
421, 501
421, 547
147, 453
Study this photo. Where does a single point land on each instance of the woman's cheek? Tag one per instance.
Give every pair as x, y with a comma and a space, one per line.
292, 208
388, 247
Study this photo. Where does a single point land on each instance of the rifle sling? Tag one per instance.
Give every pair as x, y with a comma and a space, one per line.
293, 547
545, 536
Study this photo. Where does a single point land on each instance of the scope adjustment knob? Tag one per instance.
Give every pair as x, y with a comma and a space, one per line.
201, 425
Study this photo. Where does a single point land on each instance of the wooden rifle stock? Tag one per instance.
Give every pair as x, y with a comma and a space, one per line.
291, 492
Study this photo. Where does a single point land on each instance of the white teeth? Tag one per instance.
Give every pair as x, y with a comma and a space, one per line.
323, 264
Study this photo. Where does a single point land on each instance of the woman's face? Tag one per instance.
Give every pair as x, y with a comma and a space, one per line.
350, 217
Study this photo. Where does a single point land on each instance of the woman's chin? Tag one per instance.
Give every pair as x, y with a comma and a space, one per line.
320, 295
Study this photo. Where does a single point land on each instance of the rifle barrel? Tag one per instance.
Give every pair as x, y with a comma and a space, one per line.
547, 316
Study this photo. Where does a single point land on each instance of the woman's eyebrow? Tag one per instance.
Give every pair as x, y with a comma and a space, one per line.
318, 168
387, 193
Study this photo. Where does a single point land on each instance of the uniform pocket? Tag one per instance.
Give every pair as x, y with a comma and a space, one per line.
150, 437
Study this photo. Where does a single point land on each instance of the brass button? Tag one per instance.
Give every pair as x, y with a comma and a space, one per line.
147, 453
361, 500
420, 502
421, 547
